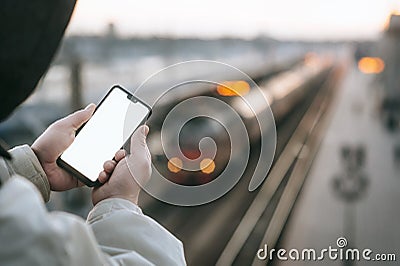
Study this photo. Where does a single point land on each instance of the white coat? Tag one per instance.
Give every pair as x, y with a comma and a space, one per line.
116, 231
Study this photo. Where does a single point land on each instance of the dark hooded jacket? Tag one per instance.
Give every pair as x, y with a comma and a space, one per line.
30, 32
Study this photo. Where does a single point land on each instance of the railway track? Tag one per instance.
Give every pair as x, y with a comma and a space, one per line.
267, 214
218, 232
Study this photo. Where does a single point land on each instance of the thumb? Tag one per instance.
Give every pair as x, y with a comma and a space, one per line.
138, 140
77, 119
139, 162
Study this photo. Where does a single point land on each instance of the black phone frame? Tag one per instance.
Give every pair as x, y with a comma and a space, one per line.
81, 177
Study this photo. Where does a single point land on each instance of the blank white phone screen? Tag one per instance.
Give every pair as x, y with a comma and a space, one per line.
104, 134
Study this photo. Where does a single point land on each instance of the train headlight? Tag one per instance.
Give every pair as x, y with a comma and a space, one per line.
207, 166
175, 164
233, 88
371, 65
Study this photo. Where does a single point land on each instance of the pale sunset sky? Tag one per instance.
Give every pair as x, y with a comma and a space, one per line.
282, 19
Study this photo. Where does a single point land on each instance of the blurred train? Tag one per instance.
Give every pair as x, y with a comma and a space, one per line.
284, 92
389, 48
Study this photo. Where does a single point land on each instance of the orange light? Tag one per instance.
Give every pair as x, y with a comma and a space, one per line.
175, 164
207, 166
233, 88
371, 65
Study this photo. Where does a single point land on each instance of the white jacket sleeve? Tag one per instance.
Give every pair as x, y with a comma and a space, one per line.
120, 227
25, 164
30, 235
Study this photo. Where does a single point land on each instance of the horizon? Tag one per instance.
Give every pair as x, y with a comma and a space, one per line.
308, 20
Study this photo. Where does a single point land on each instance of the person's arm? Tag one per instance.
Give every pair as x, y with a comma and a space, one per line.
25, 163
119, 224
116, 233
122, 231
30, 235
120, 227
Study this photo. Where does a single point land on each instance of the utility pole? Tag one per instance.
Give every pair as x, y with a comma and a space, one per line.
76, 84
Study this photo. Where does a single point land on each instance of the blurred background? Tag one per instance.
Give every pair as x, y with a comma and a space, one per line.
331, 73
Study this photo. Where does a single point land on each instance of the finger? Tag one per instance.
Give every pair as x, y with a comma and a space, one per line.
77, 119
138, 139
103, 177
119, 155
109, 166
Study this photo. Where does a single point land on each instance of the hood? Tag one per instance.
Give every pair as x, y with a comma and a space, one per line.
30, 32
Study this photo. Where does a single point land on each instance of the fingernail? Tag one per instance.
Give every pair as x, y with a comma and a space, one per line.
89, 106
146, 130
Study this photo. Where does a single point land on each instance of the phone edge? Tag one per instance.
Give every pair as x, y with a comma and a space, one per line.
74, 172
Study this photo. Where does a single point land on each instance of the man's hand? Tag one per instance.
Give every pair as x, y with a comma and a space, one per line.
129, 170
54, 141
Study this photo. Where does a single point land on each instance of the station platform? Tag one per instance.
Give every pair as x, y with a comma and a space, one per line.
353, 188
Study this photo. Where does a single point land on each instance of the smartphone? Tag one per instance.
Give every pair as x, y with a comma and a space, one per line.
115, 119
